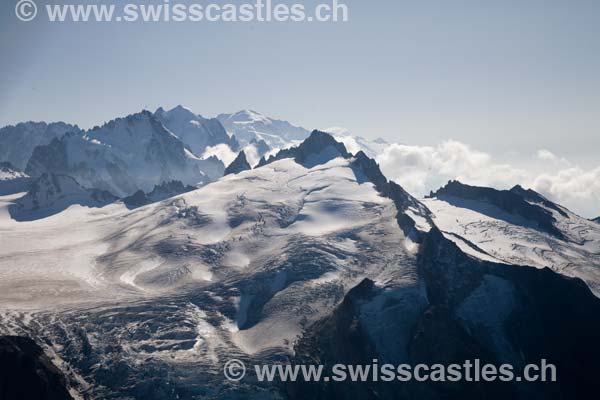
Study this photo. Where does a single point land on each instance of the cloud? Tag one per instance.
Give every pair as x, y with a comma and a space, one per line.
222, 151
574, 187
547, 155
420, 169
423, 168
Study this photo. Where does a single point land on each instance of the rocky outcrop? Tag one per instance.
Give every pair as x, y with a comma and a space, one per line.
534, 197
319, 148
238, 165
160, 192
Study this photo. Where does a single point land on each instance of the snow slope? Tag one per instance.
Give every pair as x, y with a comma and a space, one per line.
485, 230
248, 125
222, 268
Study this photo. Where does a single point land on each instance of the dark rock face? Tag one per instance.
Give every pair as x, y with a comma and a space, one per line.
160, 192
535, 197
338, 339
597, 220
138, 199
27, 373
6, 166
238, 165
50, 157
513, 202
477, 310
17, 142
319, 148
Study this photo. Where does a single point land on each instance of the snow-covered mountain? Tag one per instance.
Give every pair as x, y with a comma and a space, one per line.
194, 130
248, 125
12, 179
18, 141
520, 227
125, 155
50, 194
597, 220
312, 257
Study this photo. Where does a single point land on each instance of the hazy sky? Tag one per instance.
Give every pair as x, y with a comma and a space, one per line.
506, 77
495, 74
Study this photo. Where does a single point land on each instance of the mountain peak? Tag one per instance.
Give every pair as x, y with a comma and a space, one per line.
238, 165
195, 131
180, 109
248, 125
534, 197
514, 202
319, 148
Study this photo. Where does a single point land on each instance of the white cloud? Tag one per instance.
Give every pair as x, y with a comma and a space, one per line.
222, 151
574, 187
423, 168
420, 169
547, 155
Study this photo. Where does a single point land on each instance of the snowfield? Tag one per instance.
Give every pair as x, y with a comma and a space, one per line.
484, 236
268, 250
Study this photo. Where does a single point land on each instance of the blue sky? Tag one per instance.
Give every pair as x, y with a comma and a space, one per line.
506, 77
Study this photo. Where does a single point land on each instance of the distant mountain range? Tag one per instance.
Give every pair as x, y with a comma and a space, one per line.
142, 150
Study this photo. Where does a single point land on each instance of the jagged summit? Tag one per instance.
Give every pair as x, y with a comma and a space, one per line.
124, 155
238, 165
318, 148
18, 141
510, 203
